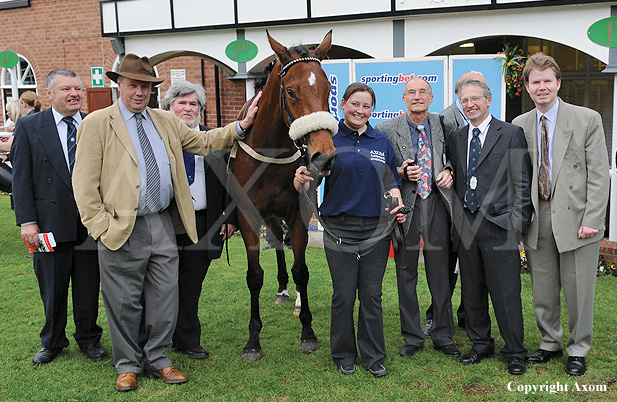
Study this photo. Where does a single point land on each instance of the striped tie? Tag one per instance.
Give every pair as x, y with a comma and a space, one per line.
153, 176
71, 143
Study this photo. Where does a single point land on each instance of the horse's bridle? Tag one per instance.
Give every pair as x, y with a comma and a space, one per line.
300, 143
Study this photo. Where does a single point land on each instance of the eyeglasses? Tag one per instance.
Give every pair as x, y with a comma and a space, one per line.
475, 99
412, 92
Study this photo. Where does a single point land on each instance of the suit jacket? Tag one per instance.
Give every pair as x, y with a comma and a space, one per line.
42, 187
451, 119
503, 173
106, 173
580, 175
397, 130
217, 200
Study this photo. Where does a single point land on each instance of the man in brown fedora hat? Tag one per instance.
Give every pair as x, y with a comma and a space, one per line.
133, 197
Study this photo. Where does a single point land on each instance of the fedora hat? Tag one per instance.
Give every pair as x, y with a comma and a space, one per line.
135, 68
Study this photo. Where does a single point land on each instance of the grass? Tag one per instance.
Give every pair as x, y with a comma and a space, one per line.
284, 373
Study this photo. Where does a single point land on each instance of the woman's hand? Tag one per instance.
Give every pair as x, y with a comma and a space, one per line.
302, 178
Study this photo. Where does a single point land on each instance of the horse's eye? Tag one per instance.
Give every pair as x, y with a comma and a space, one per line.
291, 93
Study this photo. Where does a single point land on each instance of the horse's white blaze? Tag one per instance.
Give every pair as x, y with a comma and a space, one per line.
312, 79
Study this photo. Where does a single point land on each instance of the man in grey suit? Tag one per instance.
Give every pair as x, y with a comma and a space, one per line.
569, 194
419, 144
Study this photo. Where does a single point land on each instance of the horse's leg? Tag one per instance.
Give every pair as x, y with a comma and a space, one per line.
254, 280
276, 231
299, 240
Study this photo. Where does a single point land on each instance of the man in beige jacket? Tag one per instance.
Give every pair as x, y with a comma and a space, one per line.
569, 192
133, 196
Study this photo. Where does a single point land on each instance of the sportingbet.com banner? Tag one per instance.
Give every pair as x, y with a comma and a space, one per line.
387, 78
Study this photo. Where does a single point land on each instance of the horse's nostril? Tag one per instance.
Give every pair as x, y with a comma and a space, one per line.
323, 162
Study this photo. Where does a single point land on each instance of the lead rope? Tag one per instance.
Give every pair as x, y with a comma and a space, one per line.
340, 242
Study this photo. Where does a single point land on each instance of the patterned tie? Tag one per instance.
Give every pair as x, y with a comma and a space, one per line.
153, 176
425, 164
544, 185
471, 198
71, 143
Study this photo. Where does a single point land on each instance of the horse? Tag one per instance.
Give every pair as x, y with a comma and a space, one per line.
292, 121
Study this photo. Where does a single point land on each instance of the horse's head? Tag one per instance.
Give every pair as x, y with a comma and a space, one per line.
304, 102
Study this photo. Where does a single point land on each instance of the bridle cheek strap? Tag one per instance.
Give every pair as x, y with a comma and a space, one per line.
313, 122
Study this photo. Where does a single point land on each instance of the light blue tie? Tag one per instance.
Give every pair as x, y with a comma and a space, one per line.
153, 176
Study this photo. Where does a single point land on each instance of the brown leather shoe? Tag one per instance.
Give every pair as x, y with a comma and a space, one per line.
169, 375
126, 382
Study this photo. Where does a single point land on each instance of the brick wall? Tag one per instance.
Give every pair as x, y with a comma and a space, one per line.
67, 34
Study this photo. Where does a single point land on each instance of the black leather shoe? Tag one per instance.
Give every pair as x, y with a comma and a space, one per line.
94, 352
378, 370
347, 370
516, 365
576, 366
473, 357
448, 349
197, 352
543, 356
409, 350
428, 327
44, 355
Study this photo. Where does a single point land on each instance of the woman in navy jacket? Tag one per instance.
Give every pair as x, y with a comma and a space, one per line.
354, 209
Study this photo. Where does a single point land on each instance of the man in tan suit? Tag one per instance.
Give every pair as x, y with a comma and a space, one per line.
569, 194
133, 194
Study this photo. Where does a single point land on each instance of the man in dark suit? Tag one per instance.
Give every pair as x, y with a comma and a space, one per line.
214, 225
43, 154
419, 141
493, 208
452, 118
568, 149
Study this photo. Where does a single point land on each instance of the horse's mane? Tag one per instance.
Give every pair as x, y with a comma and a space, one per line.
260, 82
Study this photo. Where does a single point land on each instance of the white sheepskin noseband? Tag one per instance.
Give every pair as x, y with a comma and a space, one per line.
313, 122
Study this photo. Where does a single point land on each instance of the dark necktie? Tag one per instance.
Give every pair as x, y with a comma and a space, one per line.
153, 176
424, 162
544, 184
189, 166
471, 197
71, 143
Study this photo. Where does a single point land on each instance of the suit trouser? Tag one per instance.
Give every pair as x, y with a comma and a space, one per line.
54, 271
453, 277
575, 272
490, 264
364, 277
193, 265
429, 220
146, 265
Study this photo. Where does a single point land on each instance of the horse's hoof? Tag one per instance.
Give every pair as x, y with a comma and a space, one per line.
280, 299
251, 355
309, 346
297, 310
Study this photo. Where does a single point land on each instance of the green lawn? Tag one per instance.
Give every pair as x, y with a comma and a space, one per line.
284, 373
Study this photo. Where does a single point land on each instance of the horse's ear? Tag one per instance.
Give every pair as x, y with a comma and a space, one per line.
281, 51
323, 48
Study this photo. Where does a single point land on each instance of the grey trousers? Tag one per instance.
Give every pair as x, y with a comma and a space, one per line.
351, 277
429, 220
147, 264
575, 272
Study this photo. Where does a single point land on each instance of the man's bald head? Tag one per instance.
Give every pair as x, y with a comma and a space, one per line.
472, 75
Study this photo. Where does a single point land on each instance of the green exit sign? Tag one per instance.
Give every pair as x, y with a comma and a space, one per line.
241, 50
604, 32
